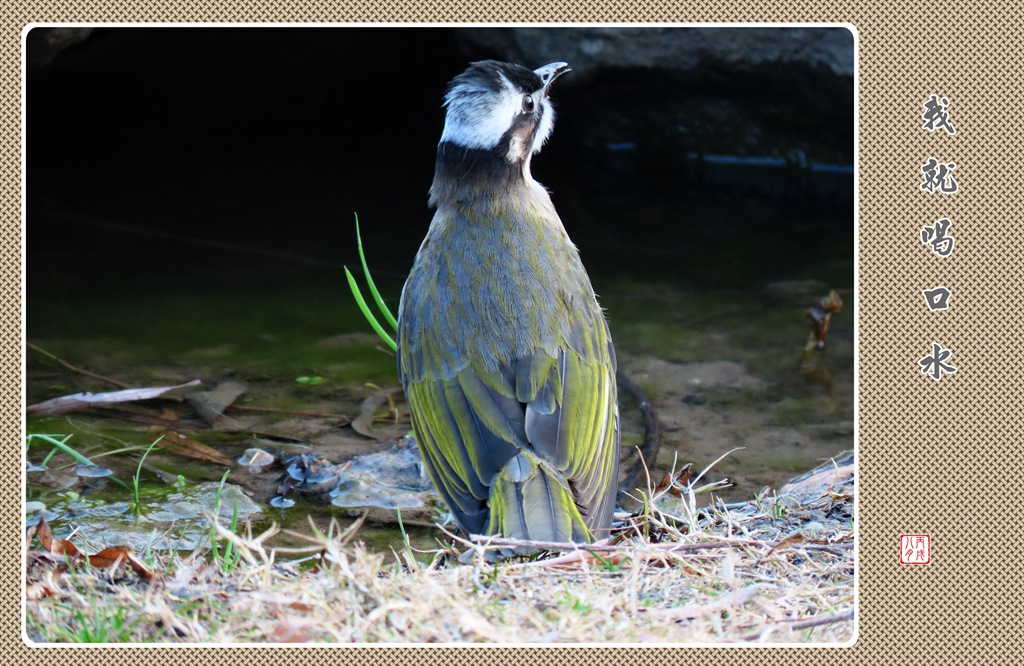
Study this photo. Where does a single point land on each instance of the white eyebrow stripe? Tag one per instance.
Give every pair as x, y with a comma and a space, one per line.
473, 123
472, 127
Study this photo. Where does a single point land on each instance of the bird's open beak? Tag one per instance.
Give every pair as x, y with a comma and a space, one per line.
548, 73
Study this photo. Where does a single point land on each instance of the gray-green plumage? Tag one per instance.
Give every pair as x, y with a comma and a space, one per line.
503, 352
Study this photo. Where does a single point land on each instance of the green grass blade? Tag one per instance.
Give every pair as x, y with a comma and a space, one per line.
367, 313
60, 445
369, 281
138, 473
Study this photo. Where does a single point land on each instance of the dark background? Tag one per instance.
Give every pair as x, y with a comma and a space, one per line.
171, 159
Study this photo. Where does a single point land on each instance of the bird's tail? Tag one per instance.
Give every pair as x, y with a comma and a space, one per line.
531, 500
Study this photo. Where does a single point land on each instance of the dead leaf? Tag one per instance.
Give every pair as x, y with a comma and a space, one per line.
293, 630
183, 446
791, 540
211, 404
819, 318
60, 549
367, 410
37, 591
41, 557
64, 554
674, 483
70, 403
112, 558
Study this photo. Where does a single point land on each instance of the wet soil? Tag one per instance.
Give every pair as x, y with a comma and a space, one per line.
722, 372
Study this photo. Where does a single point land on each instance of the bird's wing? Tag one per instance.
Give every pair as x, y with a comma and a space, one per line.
467, 431
560, 407
571, 416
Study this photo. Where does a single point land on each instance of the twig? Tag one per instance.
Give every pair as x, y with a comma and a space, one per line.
730, 601
803, 624
831, 548
120, 230
74, 368
80, 401
576, 550
652, 435
272, 410
321, 540
601, 547
147, 419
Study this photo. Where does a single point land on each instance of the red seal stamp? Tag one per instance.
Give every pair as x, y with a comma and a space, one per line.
915, 549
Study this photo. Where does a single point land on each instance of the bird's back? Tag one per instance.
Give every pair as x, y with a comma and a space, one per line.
503, 346
492, 288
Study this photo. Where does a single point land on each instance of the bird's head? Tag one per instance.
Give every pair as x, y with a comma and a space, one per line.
501, 108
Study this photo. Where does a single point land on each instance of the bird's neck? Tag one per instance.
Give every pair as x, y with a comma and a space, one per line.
471, 176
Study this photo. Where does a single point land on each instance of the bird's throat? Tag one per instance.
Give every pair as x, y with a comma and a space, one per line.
466, 176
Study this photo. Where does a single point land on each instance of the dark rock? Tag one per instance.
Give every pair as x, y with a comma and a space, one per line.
702, 103
589, 49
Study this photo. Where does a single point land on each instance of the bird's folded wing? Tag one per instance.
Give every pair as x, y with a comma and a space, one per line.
571, 421
468, 431
561, 406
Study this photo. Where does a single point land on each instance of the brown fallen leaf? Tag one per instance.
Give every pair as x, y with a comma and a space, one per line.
39, 557
31, 533
791, 540
59, 551
819, 317
64, 554
186, 447
293, 630
674, 483
37, 591
367, 410
76, 401
113, 557
211, 404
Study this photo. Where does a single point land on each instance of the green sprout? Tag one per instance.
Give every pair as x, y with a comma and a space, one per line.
228, 559
370, 317
137, 507
58, 445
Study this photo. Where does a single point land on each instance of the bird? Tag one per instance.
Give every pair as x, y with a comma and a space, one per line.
504, 354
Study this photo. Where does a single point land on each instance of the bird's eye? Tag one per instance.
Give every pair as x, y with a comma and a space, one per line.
528, 103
